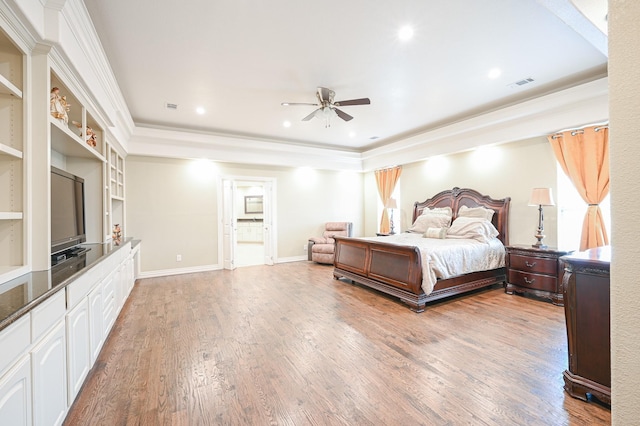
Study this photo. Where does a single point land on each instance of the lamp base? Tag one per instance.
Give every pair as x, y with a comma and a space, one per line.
539, 246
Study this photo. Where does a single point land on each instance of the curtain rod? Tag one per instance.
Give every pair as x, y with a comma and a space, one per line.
580, 131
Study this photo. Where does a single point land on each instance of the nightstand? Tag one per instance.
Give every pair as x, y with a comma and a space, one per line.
536, 271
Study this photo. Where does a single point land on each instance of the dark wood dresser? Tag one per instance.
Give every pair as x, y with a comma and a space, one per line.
536, 271
586, 289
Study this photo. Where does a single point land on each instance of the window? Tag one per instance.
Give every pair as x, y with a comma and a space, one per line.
571, 211
396, 212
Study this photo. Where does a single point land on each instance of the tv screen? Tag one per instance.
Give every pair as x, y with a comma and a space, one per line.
67, 210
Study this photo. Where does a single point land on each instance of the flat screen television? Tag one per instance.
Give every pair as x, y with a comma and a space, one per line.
67, 211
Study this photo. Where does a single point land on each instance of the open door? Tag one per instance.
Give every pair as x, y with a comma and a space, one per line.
268, 222
228, 224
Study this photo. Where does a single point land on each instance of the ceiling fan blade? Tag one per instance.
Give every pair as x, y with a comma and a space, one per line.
297, 103
310, 116
361, 101
343, 115
326, 95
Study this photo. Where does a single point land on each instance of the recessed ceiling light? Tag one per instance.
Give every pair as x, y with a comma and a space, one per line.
286, 123
200, 110
494, 73
405, 33
352, 135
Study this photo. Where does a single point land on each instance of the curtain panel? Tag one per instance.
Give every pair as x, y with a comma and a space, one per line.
584, 157
386, 179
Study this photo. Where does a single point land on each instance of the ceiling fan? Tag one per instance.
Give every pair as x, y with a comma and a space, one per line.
327, 106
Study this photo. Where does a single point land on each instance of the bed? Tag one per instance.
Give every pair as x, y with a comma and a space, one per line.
396, 269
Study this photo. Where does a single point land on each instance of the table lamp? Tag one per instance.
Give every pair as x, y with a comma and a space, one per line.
391, 205
541, 197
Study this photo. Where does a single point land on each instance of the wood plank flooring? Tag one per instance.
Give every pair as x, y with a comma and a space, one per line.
289, 345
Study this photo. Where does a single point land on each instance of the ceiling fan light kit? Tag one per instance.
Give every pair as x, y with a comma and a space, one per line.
327, 107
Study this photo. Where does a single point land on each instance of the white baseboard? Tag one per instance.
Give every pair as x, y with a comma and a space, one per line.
167, 272
291, 259
205, 268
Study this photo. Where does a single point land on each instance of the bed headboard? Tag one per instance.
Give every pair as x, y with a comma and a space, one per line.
457, 197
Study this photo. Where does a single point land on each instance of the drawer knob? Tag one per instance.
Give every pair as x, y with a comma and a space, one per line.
530, 265
529, 281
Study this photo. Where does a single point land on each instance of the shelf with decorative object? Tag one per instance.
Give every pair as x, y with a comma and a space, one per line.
536, 271
74, 131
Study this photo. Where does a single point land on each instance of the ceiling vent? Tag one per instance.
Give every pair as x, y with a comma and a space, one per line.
171, 106
521, 83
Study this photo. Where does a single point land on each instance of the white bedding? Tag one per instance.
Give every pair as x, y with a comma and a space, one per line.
446, 258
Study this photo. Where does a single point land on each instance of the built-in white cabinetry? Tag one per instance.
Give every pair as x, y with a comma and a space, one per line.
15, 388
47, 353
50, 378
108, 303
78, 347
96, 330
12, 169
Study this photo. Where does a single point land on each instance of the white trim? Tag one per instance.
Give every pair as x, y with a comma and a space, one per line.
178, 271
292, 259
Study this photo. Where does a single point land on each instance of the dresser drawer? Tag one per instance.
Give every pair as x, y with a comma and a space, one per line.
539, 265
533, 281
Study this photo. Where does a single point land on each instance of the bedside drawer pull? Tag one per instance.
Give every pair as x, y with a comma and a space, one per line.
530, 265
529, 281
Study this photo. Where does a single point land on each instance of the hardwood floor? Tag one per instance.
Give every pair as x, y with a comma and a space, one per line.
288, 344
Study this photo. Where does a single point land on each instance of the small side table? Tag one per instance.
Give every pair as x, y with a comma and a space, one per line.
536, 271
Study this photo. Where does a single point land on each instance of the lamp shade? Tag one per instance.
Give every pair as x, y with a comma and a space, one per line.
541, 197
391, 204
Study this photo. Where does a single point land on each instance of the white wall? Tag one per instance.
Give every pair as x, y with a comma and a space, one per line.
624, 57
507, 170
174, 212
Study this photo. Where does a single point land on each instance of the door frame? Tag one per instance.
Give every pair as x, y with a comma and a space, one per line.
226, 246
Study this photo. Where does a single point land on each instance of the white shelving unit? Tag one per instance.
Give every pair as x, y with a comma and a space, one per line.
72, 152
116, 211
12, 192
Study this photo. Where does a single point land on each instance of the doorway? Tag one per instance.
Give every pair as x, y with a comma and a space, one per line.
248, 215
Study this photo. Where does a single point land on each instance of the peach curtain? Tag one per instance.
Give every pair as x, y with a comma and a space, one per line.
386, 180
584, 156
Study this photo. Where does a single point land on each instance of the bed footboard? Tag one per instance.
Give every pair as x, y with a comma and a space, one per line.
392, 269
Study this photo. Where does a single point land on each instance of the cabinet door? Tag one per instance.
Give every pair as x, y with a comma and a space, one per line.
96, 330
50, 378
15, 394
78, 349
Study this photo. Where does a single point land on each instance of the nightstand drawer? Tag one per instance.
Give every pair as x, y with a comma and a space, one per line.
532, 281
537, 265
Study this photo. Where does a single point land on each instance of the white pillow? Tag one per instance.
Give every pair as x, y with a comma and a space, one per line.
432, 220
439, 233
438, 210
472, 228
481, 212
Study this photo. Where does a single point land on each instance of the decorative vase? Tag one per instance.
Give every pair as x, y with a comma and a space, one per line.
116, 234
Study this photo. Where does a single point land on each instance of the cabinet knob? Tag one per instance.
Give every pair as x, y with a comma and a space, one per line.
530, 265
529, 281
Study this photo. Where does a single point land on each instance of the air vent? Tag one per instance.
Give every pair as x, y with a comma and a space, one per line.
521, 83
171, 106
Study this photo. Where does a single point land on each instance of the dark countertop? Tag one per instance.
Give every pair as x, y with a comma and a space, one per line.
22, 294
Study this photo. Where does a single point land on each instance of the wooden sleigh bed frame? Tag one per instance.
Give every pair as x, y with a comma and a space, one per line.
397, 270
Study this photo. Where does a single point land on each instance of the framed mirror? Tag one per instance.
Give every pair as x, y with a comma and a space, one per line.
253, 204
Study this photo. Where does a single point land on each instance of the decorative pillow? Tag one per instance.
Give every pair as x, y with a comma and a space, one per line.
440, 233
438, 210
472, 228
481, 212
430, 220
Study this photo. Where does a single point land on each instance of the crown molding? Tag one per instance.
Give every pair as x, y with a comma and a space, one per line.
580, 105
155, 142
